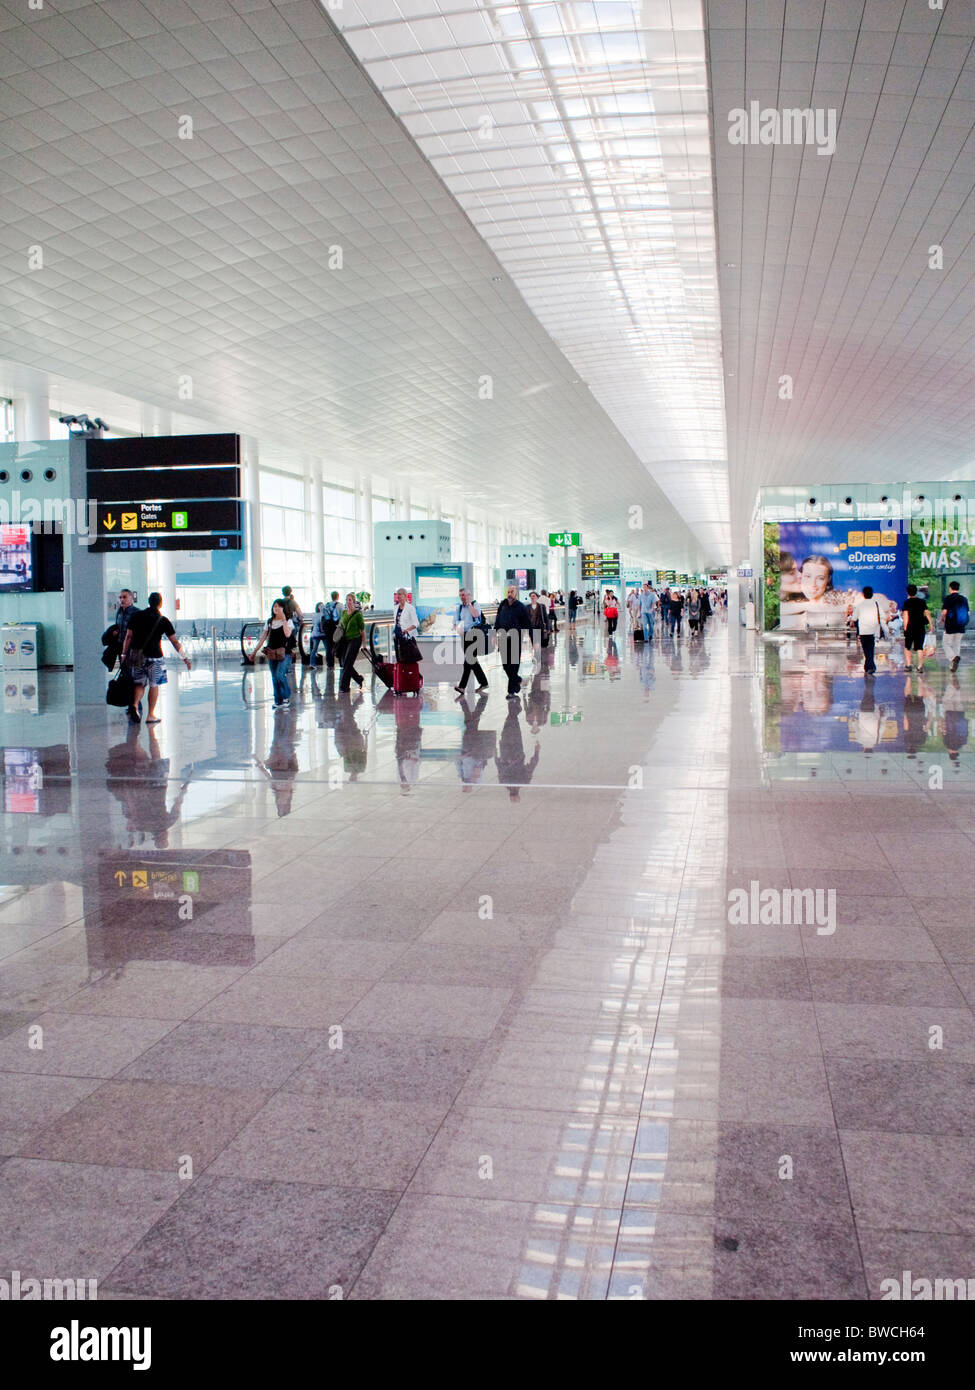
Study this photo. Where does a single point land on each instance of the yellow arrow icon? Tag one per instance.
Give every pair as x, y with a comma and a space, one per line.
119, 877
109, 522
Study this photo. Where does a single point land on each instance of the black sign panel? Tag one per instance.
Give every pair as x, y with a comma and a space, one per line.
158, 518
102, 545
163, 451
163, 484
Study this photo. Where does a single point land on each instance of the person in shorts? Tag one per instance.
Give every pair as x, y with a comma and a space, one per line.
917, 622
954, 615
143, 654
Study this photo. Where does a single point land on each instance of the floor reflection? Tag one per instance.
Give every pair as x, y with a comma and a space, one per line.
819, 701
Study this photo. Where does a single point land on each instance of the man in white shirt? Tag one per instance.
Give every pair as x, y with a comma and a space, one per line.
866, 615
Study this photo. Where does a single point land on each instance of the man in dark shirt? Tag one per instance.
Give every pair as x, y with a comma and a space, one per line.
917, 621
147, 667
954, 615
511, 622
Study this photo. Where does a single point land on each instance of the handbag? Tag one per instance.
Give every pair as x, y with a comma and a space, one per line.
275, 653
408, 651
121, 690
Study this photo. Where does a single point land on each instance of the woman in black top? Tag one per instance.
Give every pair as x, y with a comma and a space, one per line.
917, 621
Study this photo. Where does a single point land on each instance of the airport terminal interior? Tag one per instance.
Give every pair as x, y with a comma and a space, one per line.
625, 346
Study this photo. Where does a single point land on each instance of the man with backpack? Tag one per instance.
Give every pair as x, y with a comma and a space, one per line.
328, 623
954, 616
472, 626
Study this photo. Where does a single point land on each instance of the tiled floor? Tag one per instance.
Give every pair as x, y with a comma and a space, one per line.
367, 999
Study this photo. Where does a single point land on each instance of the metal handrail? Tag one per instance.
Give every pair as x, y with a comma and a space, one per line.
251, 631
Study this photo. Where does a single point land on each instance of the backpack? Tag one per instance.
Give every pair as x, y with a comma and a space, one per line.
961, 612
480, 623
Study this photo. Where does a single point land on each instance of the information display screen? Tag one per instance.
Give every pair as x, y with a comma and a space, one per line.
16, 560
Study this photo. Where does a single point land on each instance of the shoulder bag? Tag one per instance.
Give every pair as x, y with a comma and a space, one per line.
137, 655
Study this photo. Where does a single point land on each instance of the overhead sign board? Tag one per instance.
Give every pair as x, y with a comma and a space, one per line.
163, 484
160, 517
104, 544
563, 538
601, 564
163, 451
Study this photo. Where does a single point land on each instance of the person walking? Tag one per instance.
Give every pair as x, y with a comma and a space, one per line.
694, 612
573, 606
510, 623
552, 615
348, 635
472, 629
676, 611
142, 650
537, 622
706, 609
648, 605
406, 623
917, 622
954, 617
275, 638
113, 638
317, 634
866, 615
611, 612
329, 624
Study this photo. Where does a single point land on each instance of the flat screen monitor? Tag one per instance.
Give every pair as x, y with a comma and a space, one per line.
524, 578
48, 560
16, 560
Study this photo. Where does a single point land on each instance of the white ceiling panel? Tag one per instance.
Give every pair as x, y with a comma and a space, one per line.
824, 259
575, 136
209, 258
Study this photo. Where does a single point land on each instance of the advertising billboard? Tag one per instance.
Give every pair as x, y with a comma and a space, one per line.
815, 571
436, 596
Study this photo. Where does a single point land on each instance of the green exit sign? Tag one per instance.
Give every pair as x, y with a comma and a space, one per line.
563, 537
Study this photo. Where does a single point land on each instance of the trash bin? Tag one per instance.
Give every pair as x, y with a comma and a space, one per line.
19, 643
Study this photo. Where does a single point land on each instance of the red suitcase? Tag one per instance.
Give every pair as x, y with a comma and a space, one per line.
383, 669
406, 678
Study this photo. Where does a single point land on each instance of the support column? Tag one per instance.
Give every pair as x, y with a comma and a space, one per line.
32, 416
250, 481
317, 514
368, 537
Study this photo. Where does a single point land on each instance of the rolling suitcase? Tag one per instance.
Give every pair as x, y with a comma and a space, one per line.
638, 634
406, 678
383, 669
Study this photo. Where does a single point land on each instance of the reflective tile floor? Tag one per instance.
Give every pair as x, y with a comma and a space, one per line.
656, 983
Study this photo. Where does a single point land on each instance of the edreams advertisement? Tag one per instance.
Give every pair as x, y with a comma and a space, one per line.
815, 572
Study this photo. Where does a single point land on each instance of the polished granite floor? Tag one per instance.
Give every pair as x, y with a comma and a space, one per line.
380, 998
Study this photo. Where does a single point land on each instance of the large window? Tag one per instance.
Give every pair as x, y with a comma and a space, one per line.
285, 539
345, 540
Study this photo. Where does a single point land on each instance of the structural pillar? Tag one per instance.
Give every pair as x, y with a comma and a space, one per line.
32, 416
317, 514
251, 485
